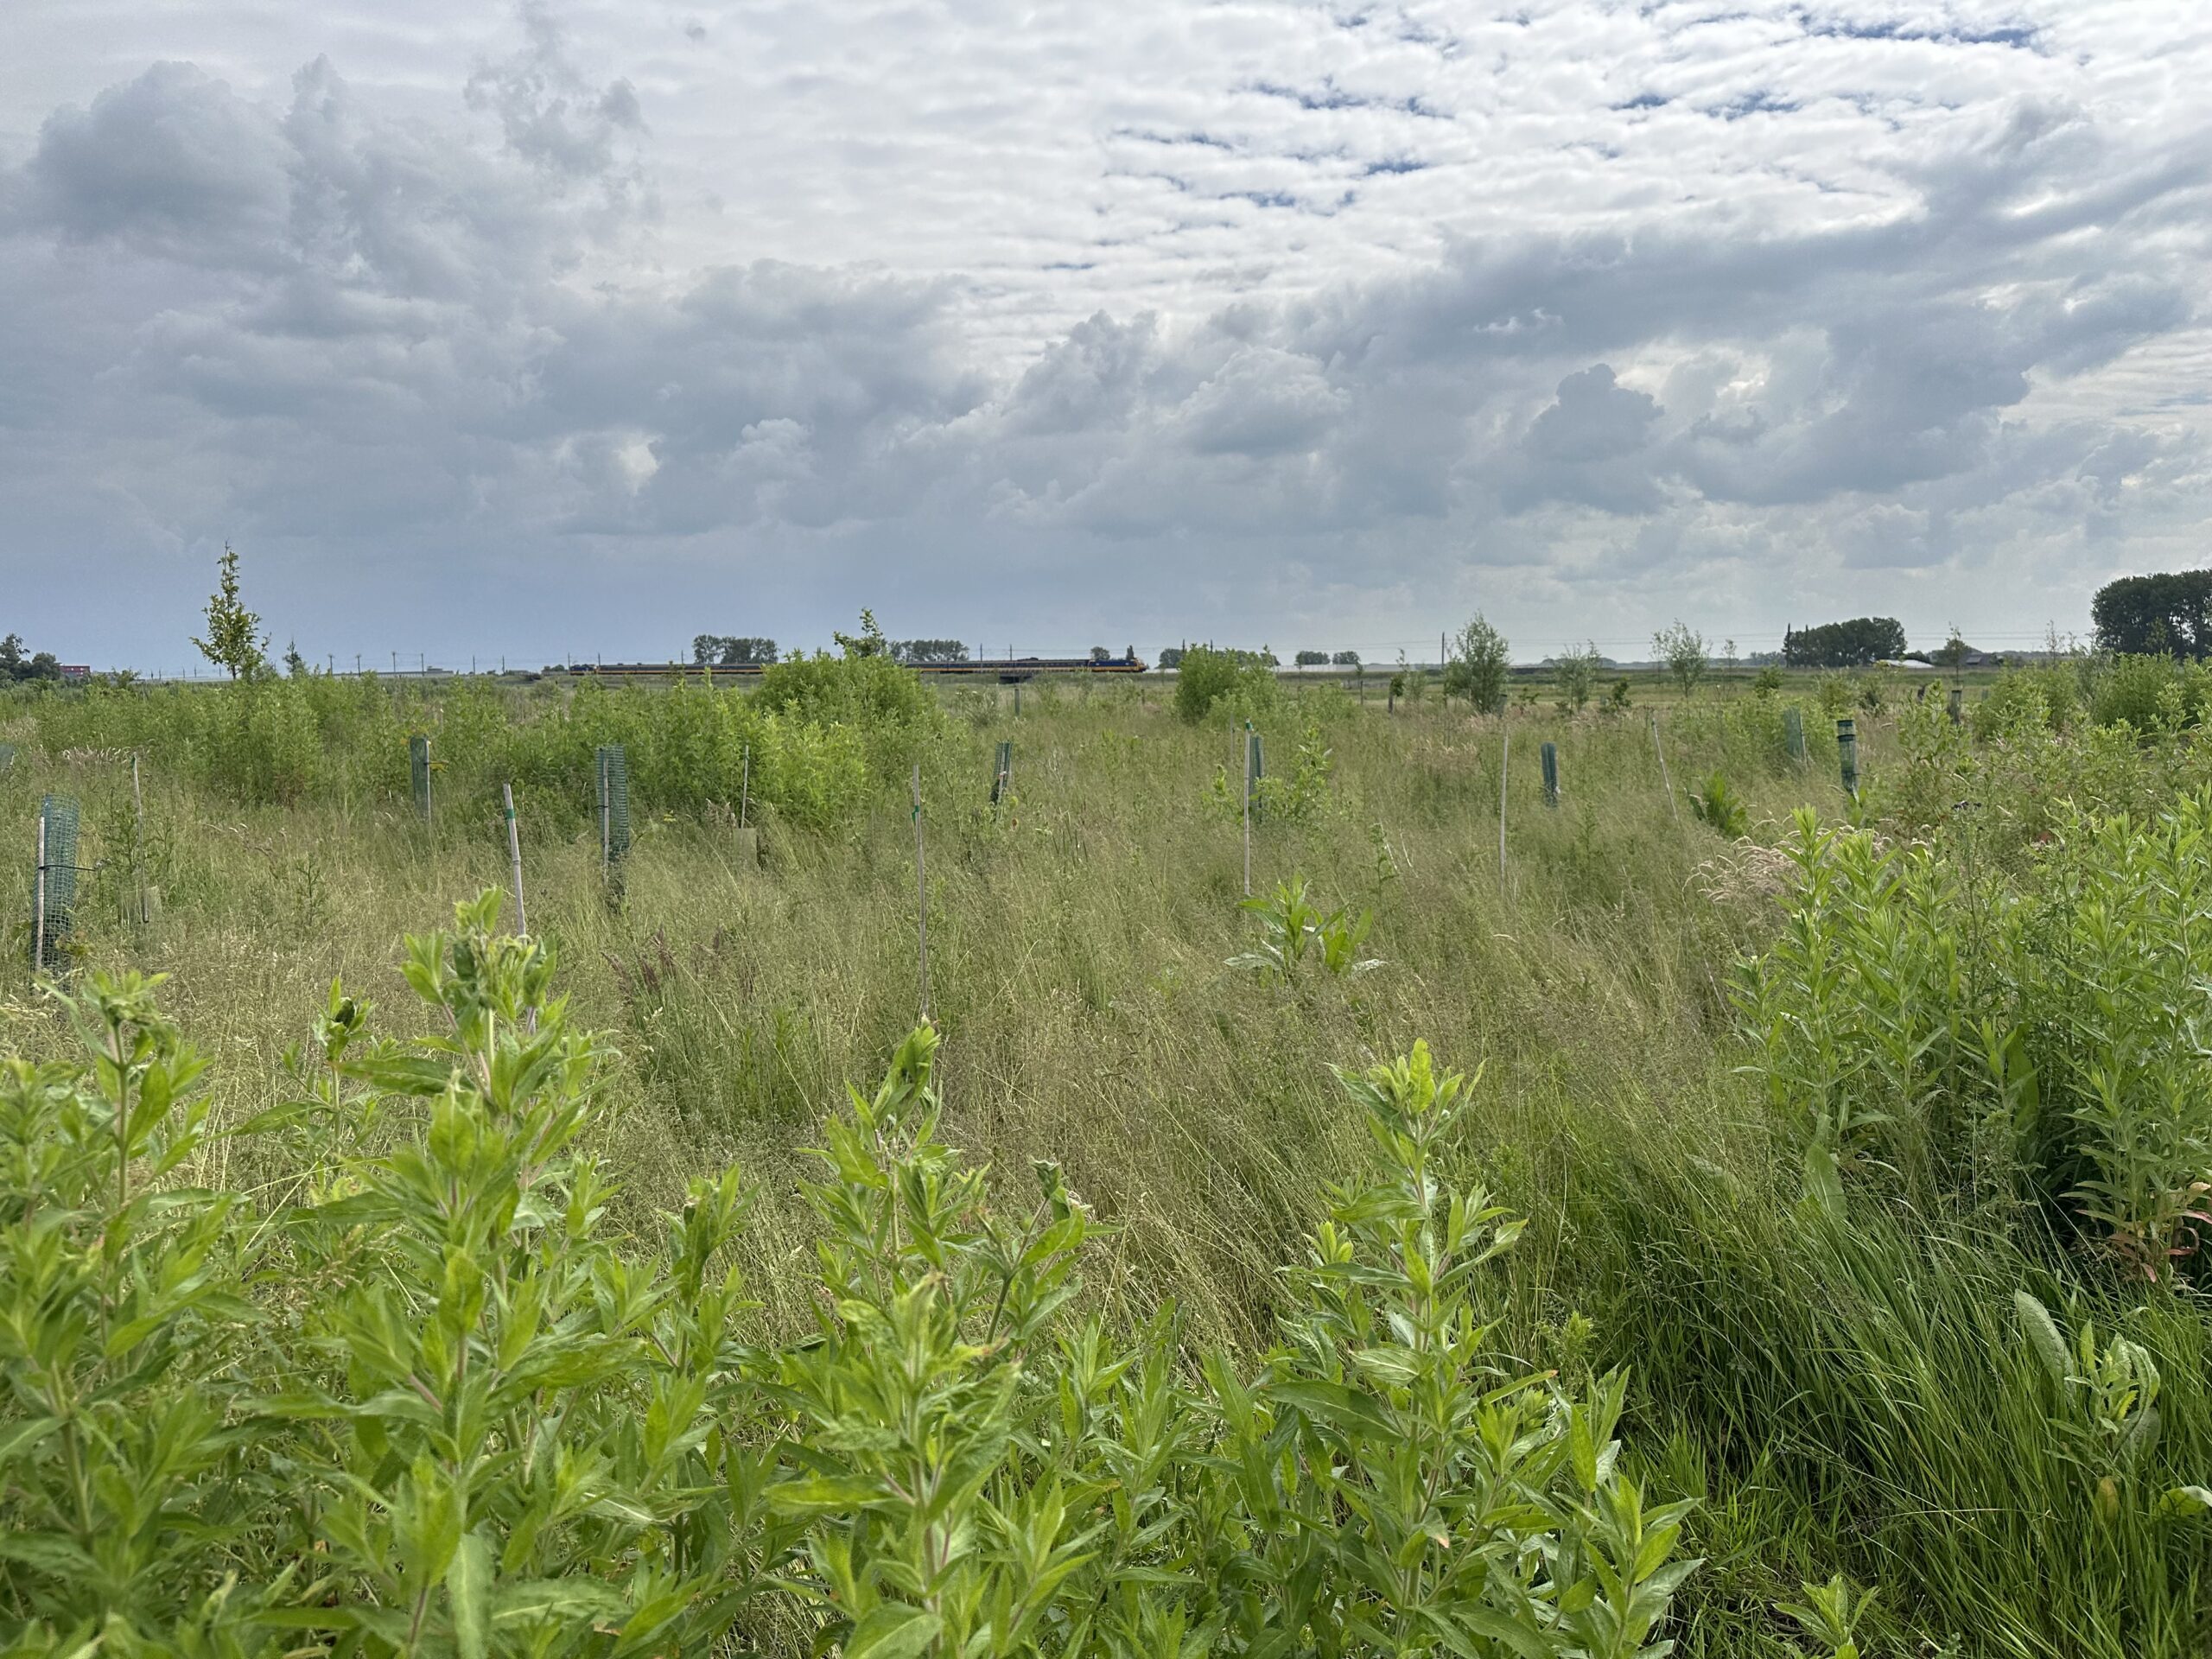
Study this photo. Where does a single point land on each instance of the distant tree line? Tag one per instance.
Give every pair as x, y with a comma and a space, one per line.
14, 665
2164, 615
1844, 645
732, 650
917, 653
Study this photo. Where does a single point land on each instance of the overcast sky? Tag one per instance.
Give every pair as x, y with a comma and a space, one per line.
582, 327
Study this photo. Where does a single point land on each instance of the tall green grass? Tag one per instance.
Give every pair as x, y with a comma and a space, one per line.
1840, 1379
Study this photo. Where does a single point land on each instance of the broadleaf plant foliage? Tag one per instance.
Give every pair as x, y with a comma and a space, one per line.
423, 1399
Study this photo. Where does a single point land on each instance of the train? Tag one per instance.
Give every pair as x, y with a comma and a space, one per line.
1006, 670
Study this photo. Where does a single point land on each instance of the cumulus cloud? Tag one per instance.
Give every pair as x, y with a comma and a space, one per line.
1276, 318
171, 165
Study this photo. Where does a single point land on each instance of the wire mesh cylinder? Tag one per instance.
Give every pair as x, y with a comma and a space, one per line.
614, 801
1549, 756
55, 881
1846, 748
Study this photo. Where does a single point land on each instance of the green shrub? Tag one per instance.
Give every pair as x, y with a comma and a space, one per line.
1720, 808
1302, 794
1909, 1021
2018, 703
1208, 678
2150, 695
128, 1473
1294, 931
809, 747
418, 1398
1479, 665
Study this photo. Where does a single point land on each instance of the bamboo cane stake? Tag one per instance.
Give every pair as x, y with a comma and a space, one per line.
921, 894
1665, 782
1504, 765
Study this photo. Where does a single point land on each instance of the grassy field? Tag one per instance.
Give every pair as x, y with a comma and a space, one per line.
1796, 1202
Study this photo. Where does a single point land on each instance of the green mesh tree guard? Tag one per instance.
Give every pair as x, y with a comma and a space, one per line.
7, 756
1256, 768
1846, 748
1002, 773
53, 883
614, 802
1793, 732
418, 768
1549, 754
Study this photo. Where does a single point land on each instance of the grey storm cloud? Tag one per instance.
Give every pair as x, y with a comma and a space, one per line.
428, 357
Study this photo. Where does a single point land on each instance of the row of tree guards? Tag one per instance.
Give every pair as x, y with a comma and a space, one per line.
55, 875
54, 869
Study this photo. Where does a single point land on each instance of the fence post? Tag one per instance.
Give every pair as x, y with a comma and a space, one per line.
922, 893
1549, 756
1846, 748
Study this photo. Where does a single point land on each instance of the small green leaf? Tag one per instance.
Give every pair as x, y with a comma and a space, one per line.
892, 1631
18, 1438
468, 1586
1331, 1404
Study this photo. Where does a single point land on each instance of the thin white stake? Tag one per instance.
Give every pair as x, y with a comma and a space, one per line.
38, 907
922, 893
1505, 762
1665, 782
514, 864
138, 841
514, 858
1247, 809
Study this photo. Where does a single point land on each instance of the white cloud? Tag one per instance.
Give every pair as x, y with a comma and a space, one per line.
1226, 319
